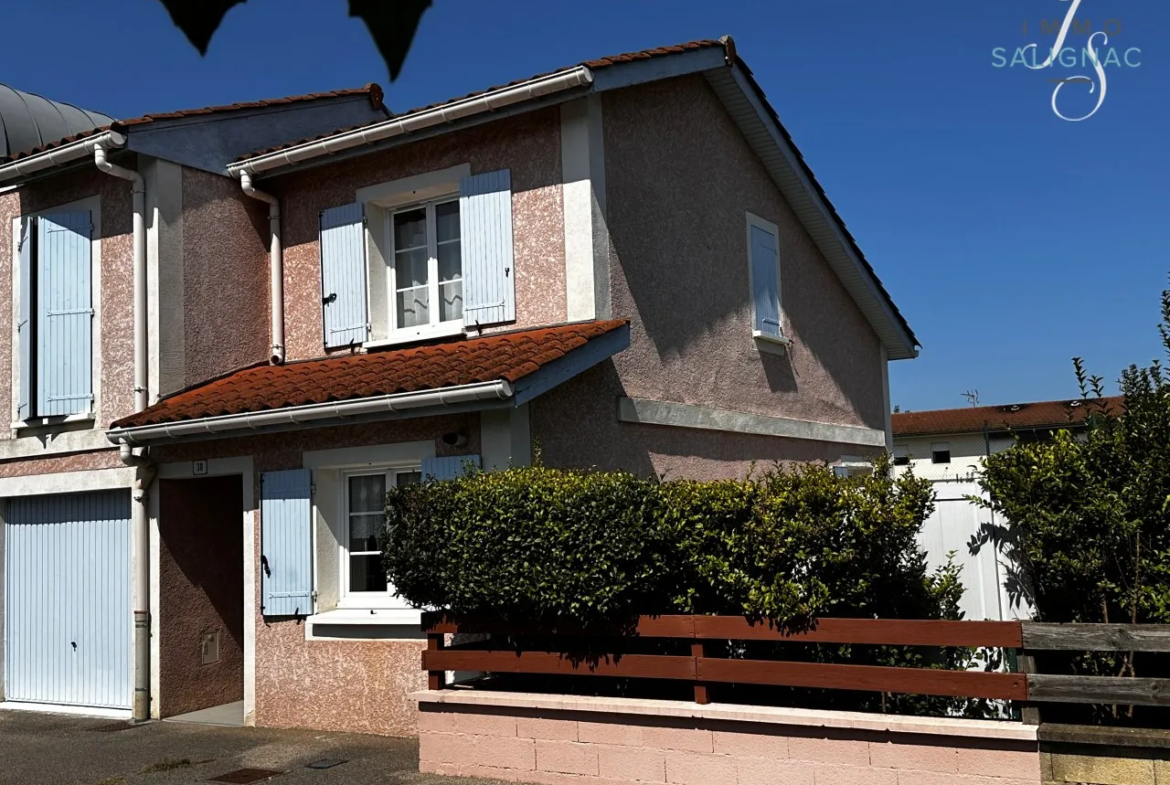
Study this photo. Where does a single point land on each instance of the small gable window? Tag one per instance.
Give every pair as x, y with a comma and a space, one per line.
763, 243
940, 452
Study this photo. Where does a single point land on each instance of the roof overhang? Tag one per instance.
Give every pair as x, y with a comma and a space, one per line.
382, 407
29, 166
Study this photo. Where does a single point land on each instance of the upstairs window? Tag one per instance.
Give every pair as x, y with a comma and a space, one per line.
54, 292
901, 455
763, 242
940, 452
419, 258
427, 274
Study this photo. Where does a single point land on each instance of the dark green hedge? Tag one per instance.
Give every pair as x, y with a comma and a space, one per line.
541, 544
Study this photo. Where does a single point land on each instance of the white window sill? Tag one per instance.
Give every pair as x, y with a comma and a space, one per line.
416, 335
349, 616
48, 422
770, 344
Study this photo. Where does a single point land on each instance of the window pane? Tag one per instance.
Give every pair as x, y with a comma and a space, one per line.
450, 262
451, 301
410, 229
447, 220
413, 307
365, 532
408, 478
410, 268
367, 493
366, 573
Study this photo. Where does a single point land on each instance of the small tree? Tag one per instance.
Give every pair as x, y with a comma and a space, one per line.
1089, 513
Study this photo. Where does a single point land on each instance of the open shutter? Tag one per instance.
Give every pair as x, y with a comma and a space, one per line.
64, 315
24, 327
485, 235
447, 468
286, 543
343, 275
765, 281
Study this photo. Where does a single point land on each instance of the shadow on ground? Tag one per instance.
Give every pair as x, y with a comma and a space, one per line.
46, 749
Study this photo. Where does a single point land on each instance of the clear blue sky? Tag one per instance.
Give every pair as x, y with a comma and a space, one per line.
1010, 239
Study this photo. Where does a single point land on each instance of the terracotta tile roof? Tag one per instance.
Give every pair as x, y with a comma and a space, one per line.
1016, 416
372, 90
601, 62
509, 356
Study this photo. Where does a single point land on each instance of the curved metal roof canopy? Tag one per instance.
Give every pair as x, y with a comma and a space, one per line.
28, 121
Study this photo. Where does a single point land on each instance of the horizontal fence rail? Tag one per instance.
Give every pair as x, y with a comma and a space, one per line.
703, 670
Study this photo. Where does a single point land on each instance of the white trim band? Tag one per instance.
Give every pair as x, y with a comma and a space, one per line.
297, 415
64, 154
461, 109
683, 415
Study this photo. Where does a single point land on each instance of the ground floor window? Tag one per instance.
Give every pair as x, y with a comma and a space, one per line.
365, 498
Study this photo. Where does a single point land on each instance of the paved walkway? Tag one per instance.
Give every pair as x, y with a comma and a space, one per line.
47, 749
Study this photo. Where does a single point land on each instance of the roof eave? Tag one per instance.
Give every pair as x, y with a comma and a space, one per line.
37, 165
382, 407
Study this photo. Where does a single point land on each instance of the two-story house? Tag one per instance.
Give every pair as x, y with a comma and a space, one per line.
623, 264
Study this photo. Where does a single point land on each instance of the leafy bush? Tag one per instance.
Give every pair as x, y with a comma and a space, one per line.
541, 544
1089, 517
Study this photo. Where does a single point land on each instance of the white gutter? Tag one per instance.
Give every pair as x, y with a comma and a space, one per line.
417, 121
275, 266
302, 415
61, 155
144, 468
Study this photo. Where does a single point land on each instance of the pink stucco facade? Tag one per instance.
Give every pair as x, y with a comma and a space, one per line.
527, 145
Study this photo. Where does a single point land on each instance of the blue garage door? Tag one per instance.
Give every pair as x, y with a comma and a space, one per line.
67, 614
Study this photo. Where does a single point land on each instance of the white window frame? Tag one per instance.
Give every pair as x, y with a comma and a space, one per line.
434, 328
94, 415
937, 447
381, 202
765, 342
365, 599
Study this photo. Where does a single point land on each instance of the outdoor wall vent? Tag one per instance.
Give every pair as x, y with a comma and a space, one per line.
209, 647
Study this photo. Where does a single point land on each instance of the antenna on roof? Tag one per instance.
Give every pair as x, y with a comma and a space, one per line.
972, 397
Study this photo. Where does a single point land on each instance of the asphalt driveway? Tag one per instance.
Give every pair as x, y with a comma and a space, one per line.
47, 749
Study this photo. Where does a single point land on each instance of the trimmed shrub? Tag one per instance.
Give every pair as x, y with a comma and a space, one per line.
545, 544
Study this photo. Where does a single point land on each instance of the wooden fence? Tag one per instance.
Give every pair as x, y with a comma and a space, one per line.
1024, 637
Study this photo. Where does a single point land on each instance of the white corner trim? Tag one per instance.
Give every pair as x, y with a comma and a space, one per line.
583, 202
67, 482
421, 187
885, 355
773, 715
683, 415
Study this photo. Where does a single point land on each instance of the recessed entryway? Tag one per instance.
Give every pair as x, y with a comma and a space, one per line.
201, 599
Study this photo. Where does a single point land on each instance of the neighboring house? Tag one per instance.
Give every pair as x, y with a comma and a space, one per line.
947, 447
623, 264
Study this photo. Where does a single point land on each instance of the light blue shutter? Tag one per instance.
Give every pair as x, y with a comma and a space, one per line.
485, 235
24, 328
343, 275
447, 468
765, 281
64, 315
286, 543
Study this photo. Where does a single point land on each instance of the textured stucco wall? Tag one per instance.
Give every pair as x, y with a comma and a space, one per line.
201, 563
679, 180
358, 686
528, 145
225, 277
116, 397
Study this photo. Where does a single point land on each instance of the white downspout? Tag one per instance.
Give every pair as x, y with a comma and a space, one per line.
275, 265
139, 520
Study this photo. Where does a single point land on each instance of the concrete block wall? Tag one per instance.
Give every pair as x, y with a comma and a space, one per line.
572, 747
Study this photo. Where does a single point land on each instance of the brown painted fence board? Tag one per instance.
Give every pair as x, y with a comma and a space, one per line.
876, 678
1098, 689
893, 632
1096, 637
644, 666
